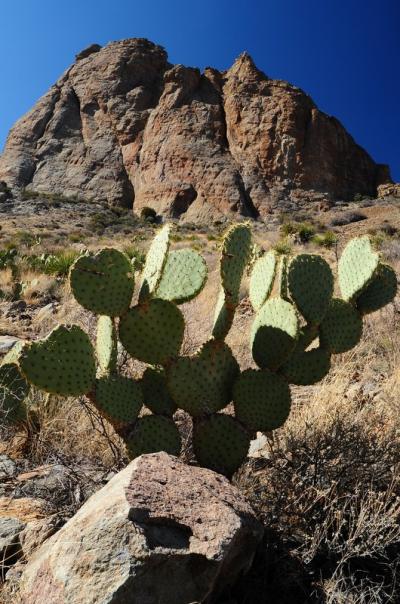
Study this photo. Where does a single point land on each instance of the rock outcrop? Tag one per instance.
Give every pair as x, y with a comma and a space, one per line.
125, 126
160, 532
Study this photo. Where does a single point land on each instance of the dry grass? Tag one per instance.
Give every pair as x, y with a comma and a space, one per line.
327, 486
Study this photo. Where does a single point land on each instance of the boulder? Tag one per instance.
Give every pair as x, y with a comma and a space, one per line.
160, 532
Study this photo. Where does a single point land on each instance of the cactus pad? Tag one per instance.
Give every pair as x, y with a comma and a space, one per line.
153, 433
152, 332
306, 368
283, 278
223, 318
203, 383
106, 344
274, 333
357, 266
262, 279
381, 290
261, 400
13, 391
155, 392
341, 328
103, 282
155, 261
119, 399
63, 363
310, 281
236, 250
183, 277
220, 443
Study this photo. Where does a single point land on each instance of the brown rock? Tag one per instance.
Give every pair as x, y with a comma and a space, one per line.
389, 189
25, 509
125, 126
159, 532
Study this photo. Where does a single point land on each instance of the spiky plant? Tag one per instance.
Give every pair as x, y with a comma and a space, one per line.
303, 313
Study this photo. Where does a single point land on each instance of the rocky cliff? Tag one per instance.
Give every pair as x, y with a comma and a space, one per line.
125, 126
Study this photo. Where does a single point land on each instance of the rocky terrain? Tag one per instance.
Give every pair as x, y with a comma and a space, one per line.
124, 126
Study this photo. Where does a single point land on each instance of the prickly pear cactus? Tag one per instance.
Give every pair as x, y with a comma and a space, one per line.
103, 282
293, 334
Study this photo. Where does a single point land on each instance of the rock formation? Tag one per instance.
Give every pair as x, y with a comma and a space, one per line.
159, 531
125, 126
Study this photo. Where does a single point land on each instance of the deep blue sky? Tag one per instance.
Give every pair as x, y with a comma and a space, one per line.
344, 53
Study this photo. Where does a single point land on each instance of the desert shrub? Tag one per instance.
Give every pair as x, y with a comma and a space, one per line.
136, 255
327, 239
283, 246
304, 231
148, 214
57, 263
348, 218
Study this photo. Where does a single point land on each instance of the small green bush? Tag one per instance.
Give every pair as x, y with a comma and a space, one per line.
148, 214
283, 246
327, 239
138, 256
305, 231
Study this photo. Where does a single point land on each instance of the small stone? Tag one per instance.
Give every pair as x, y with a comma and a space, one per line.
8, 468
6, 343
10, 548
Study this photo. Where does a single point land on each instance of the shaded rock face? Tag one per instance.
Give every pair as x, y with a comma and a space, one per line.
160, 532
123, 125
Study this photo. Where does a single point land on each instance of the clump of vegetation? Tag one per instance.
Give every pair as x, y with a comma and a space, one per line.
303, 231
136, 256
283, 246
328, 239
54, 199
348, 218
148, 214
204, 384
57, 263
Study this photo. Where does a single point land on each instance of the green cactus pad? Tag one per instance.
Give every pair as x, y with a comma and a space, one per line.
183, 277
155, 261
119, 399
13, 392
283, 289
341, 328
63, 363
203, 383
106, 344
306, 368
310, 281
236, 250
261, 400
103, 282
152, 332
262, 279
220, 443
153, 433
274, 333
223, 318
381, 290
155, 391
357, 267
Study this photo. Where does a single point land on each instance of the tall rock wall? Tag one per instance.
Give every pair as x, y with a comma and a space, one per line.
125, 126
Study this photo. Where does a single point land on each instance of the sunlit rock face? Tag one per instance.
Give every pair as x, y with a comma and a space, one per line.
123, 125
